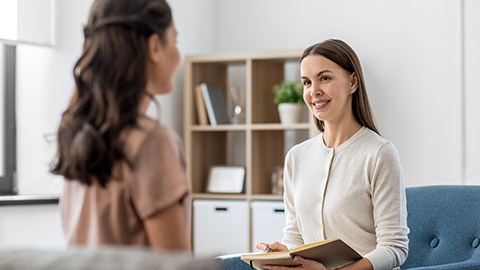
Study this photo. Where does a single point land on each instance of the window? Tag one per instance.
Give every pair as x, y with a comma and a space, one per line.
7, 122
27, 21
21, 22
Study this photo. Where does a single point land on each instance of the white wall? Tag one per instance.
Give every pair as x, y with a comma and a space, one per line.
472, 92
410, 51
34, 226
35, 21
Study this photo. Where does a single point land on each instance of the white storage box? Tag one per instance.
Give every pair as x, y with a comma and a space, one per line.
268, 220
219, 227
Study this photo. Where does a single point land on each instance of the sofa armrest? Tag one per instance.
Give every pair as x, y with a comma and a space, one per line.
233, 262
470, 264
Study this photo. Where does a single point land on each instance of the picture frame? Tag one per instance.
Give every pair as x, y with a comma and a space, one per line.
226, 179
277, 180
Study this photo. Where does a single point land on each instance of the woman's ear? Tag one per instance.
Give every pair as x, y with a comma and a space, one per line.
154, 47
353, 82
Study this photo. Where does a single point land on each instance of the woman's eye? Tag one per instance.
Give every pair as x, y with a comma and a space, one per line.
324, 78
305, 83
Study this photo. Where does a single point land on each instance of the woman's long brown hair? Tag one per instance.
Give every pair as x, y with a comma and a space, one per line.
110, 80
343, 55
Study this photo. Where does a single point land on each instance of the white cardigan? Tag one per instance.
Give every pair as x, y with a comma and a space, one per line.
354, 192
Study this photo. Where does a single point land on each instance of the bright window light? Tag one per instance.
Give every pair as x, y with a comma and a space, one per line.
27, 22
9, 19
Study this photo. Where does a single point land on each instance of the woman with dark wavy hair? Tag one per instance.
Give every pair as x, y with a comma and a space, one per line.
125, 172
347, 181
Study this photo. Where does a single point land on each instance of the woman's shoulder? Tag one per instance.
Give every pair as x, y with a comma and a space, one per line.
307, 145
150, 133
373, 143
152, 128
372, 139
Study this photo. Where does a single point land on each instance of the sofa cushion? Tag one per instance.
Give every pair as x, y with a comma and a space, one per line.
105, 258
444, 225
471, 264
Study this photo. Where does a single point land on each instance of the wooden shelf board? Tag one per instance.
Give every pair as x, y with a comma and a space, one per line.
218, 127
262, 126
214, 196
284, 55
278, 126
269, 197
233, 58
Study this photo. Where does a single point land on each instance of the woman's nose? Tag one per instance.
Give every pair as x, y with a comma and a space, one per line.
316, 90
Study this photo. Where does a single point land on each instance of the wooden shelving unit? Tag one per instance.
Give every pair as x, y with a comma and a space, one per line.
259, 141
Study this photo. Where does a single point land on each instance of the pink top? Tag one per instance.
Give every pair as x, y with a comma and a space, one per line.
115, 215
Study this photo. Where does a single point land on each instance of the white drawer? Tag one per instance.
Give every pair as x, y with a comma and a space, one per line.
220, 227
268, 220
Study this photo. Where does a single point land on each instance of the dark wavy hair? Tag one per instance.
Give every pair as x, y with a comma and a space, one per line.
343, 55
110, 80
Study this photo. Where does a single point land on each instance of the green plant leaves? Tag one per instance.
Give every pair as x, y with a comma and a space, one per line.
288, 92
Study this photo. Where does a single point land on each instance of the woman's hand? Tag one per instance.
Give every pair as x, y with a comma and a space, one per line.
274, 247
362, 264
304, 264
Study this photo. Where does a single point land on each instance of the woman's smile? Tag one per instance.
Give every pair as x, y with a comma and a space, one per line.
320, 104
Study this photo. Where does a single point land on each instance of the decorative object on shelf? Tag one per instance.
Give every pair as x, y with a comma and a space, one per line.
289, 97
238, 105
226, 179
277, 181
215, 104
200, 106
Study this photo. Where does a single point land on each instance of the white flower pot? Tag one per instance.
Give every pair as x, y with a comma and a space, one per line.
290, 113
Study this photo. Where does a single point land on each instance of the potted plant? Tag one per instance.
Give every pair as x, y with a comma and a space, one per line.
289, 97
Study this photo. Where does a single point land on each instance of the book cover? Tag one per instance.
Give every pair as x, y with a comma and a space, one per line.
215, 104
332, 253
200, 106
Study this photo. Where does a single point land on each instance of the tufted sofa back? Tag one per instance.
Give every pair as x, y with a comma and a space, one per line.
444, 224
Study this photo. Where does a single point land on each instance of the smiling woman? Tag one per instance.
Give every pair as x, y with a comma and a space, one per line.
349, 169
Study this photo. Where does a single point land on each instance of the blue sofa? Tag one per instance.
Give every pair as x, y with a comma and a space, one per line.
444, 224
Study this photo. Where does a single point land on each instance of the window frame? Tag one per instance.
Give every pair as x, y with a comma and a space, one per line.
8, 180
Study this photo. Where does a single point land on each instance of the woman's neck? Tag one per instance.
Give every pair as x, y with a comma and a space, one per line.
335, 134
144, 103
